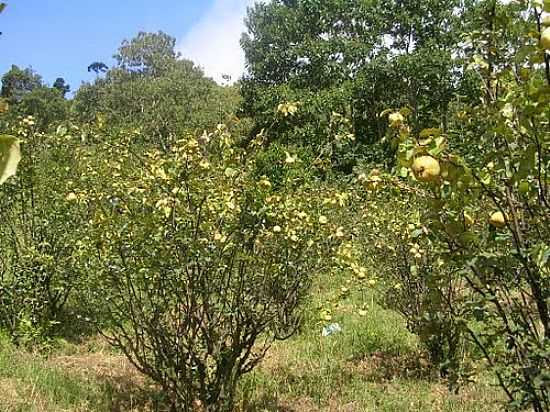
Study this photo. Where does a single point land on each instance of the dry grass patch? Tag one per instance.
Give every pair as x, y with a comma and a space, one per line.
381, 367
124, 388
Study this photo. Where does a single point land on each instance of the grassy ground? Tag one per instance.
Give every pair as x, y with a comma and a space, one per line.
373, 364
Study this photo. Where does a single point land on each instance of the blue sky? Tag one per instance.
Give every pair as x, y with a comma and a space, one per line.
60, 38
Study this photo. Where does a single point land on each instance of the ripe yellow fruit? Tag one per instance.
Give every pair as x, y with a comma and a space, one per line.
468, 220
524, 73
396, 119
325, 315
545, 39
426, 168
4, 107
264, 183
497, 220
373, 182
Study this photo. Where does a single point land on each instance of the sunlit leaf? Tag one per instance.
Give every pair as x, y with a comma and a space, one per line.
9, 157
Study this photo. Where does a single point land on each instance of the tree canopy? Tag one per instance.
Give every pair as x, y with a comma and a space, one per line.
17, 82
153, 88
60, 85
353, 57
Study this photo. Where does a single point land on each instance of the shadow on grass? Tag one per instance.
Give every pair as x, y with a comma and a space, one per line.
113, 383
381, 367
123, 394
269, 403
73, 327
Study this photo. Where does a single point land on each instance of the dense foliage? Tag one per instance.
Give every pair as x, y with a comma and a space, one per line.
488, 214
352, 57
199, 265
401, 146
153, 89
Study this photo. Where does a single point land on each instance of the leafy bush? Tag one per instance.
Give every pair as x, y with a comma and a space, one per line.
390, 253
200, 265
489, 216
40, 259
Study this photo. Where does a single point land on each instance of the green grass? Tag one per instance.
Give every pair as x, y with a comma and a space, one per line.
73, 378
27, 384
373, 364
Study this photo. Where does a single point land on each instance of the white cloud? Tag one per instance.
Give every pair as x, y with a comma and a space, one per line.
213, 42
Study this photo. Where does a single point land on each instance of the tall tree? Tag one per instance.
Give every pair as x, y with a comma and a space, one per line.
60, 85
18, 82
147, 53
350, 56
45, 104
98, 67
151, 88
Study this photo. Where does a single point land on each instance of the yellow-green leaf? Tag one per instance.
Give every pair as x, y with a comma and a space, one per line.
9, 157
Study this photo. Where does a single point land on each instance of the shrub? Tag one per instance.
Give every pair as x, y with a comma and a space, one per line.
489, 217
392, 252
39, 232
201, 265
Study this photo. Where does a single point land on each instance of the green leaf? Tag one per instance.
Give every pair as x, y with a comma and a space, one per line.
61, 130
527, 163
431, 132
541, 255
508, 111
230, 172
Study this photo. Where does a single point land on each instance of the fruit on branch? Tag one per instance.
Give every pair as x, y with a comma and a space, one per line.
426, 168
497, 220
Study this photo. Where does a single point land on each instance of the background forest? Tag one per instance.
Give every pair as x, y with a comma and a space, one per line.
360, 223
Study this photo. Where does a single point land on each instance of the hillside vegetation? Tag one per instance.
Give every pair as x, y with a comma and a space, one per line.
360, 223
